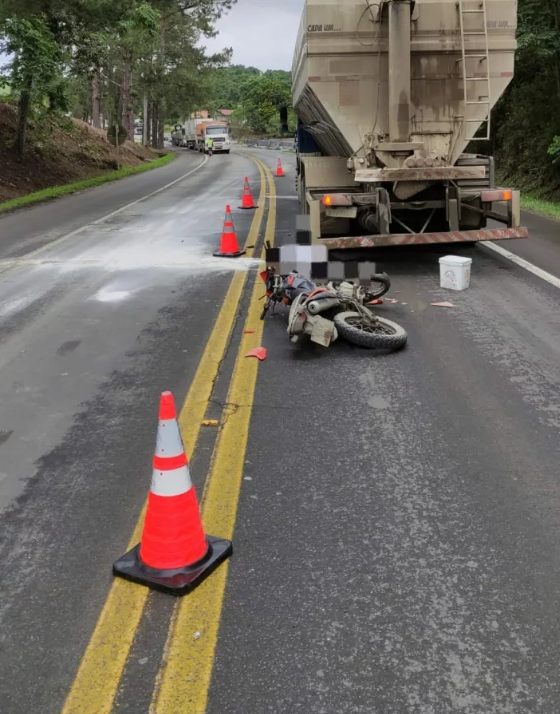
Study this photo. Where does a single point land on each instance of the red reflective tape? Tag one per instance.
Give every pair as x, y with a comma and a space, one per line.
170, 463
173, 535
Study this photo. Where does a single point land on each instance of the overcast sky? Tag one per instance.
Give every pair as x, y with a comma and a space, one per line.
262, 33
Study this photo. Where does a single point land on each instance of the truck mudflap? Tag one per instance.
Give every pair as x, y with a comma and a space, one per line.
376, 241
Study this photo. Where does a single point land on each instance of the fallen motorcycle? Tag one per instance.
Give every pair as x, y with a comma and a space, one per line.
337, 309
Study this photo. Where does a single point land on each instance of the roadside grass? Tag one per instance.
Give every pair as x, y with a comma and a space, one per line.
48, 194
532, 203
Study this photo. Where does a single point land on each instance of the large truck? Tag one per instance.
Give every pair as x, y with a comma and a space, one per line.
185, 134
178, 136
389, 95
218, 131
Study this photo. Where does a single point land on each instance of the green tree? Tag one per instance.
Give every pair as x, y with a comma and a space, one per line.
134, 37
527, 119
118, 50
35, 73
225, 85
174, 77
262, 98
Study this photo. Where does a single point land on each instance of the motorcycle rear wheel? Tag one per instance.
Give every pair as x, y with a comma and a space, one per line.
385, 335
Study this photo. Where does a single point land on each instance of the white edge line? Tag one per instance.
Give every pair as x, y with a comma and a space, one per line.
76, 232
552, 279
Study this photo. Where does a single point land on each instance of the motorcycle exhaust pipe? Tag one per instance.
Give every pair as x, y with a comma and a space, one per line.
317, 306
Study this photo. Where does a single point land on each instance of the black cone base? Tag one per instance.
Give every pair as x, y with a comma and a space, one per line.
181, 581
247, 208
229, 255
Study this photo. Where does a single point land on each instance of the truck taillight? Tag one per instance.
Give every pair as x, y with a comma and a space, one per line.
491, 196
336, 199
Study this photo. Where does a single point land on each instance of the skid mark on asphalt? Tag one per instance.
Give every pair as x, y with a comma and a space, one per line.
24, 312
4, 436
68, 347
9, 307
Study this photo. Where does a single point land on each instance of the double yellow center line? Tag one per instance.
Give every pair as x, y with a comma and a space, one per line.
184, 679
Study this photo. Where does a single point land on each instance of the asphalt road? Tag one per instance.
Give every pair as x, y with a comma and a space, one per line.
398, 528
543, 249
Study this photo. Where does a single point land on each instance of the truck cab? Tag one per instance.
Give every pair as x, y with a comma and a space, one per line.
219, 133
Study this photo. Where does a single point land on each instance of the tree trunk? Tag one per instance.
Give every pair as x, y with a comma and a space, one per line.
161, 127
24, 106
155, 123
158, 133
95, 99
145, 132
148, 121
127, 110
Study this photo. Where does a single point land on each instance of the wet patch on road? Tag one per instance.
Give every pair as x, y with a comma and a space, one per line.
68, 347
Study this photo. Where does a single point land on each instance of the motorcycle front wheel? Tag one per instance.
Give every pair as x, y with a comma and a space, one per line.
380, 285
382, 335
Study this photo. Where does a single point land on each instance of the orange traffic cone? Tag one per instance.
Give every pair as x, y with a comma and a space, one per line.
247, 202
229, 247
174, 556
280, 171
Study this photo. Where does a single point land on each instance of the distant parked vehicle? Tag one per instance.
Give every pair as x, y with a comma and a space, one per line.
185, 134
178, 136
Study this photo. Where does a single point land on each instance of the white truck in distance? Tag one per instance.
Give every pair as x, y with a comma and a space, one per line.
194, 134
218, 132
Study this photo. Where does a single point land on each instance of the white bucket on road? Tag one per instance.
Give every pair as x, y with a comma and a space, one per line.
455, 272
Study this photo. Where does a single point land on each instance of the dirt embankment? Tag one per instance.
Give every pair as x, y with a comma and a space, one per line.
60, 150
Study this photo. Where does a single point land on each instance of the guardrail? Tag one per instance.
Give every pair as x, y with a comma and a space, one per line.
272, 144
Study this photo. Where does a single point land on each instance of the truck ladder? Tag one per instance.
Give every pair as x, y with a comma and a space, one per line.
482, 62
